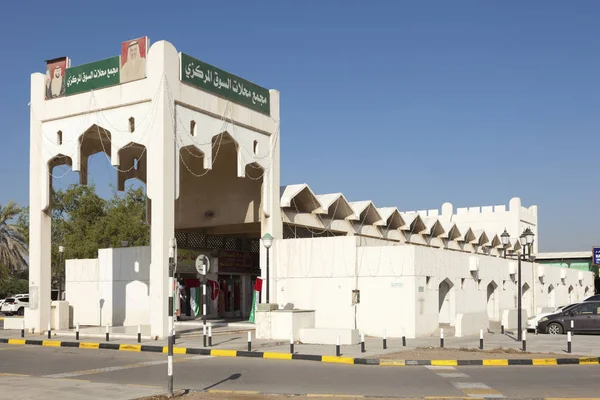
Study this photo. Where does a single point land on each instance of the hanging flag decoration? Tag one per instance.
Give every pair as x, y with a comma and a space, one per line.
195, 300
257, 289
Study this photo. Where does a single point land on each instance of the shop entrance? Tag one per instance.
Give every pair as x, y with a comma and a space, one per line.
230, 280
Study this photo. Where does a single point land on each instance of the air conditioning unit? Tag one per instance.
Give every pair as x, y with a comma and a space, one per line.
540, 271
473, 264
512, 268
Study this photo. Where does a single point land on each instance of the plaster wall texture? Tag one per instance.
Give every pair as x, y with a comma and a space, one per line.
400, 286
113, 289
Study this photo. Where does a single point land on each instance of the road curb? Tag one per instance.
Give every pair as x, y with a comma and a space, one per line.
306, 357
360, 396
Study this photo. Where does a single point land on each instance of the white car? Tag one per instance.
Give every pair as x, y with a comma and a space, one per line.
13, 305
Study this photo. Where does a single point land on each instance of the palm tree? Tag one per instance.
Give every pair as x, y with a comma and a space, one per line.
13, 248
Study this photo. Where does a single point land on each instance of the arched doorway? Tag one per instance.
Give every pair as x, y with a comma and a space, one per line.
492, 302
571, 295
446, 300
551, 297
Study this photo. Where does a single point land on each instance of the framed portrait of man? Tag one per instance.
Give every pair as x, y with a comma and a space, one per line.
55, 77
133, 59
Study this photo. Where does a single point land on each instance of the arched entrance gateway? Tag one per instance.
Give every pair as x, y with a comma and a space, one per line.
204, 141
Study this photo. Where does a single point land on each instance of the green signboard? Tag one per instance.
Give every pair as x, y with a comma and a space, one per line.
224, 84
92, 76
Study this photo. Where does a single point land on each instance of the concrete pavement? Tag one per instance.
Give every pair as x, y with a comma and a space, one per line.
101, 373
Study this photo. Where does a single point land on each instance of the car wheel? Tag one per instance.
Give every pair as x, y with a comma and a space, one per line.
21, 311
555, 329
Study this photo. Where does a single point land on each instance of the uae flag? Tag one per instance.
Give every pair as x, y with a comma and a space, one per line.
195, 300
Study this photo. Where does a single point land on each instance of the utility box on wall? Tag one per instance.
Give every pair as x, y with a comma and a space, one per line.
355, 297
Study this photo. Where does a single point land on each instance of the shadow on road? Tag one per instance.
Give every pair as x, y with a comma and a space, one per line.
228, 340
231, 378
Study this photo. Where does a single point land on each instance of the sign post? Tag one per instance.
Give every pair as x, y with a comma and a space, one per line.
202, 267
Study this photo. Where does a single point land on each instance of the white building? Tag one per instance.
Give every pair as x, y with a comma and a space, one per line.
206, 143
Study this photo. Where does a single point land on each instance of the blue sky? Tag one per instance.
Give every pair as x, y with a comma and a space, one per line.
409, 104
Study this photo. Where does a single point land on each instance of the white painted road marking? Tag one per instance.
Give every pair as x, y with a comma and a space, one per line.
121, 367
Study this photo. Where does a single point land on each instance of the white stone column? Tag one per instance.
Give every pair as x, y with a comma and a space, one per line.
271, 221
163, 63
40, 221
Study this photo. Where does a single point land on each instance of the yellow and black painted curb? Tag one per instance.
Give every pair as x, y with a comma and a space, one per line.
306, 357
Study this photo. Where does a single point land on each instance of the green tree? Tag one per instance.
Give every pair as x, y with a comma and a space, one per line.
13, 247
83, 222
125, 220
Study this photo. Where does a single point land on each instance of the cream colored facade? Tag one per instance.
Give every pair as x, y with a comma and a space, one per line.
208, 164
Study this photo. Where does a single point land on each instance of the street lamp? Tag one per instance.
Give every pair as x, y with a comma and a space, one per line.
267, 241
505, 237
526, 240
61, 250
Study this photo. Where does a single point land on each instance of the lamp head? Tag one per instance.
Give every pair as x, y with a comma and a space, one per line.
523, 239
505, 237
529, 235
267, 240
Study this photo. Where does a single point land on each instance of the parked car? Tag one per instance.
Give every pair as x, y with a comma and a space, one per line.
13, 305
585, 317
595, 297
532, 322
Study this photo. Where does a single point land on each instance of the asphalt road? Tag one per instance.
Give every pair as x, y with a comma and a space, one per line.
55, 366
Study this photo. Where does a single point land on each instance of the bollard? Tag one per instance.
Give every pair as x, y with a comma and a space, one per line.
502, 329
77, 331
524, 339
23, 328
572, 327
481, 339
249, 341
568, 342
442, 338
107, 331
139, 333
337, 346
204, 334
210, 336
384, 340
49, 331
292, 344
362, 342
403, 337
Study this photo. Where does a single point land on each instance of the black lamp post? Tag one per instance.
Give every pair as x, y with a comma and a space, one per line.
526, 240
505, 239
267, 241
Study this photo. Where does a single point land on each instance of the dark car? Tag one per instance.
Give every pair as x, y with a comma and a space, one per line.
595, 297
585, 317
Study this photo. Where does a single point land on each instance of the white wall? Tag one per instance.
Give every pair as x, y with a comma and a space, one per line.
113, 288
399, 285
82, 290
